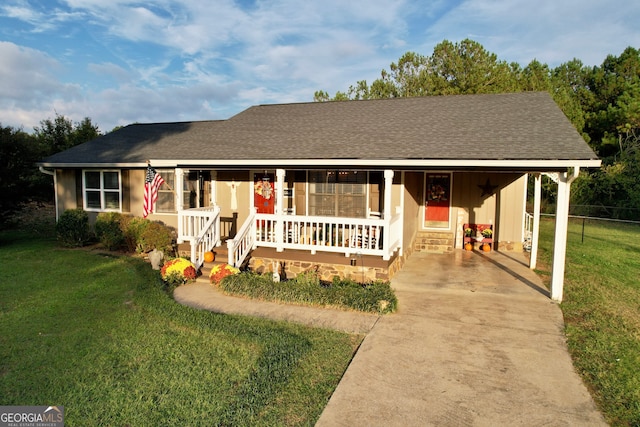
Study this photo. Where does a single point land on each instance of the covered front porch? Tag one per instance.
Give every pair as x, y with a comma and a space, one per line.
348, 238
378, 234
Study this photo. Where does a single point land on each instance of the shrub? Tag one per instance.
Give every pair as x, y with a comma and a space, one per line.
109, 231
178, 271
221, 271
307, 288
73, 228
156, 236
132, 228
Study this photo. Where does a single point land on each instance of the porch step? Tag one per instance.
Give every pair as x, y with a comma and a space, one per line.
434, 242
221, 258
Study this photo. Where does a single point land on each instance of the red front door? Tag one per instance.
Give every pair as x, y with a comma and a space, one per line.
264, 193
437, 200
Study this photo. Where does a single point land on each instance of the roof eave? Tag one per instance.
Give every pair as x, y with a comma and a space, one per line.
392, 163
541, 164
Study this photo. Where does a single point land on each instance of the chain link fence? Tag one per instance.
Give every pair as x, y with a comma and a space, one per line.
605, 212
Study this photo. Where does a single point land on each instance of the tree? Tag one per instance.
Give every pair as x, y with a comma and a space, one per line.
615, 101
603, 103
453, 68
60, 134
19, 178
467, 68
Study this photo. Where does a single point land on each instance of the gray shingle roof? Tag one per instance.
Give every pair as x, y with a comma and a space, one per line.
519, 126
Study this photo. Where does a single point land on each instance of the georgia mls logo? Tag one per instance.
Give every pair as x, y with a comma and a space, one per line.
31, 416
53, 408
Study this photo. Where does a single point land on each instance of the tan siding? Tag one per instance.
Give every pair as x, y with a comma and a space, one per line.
126, 191
135, 191
244, 192
396, 191
66, 190
300, 188
503, 209
413, 182
511, 208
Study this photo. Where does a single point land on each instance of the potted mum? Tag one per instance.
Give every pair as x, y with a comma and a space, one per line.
468, 232
487, 233
221, 271
178, 271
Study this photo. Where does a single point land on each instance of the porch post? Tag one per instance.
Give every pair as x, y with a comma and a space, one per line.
179, 202
402, 191
213, 194
535, 232
560, 237
386, 230
279, 226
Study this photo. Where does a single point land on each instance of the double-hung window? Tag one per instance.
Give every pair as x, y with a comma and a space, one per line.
338, 193
166, 202
102, 190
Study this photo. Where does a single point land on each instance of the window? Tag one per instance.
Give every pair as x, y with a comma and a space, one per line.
102, 191
166, 194
338, 193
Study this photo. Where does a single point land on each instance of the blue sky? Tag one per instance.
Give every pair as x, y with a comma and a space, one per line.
121, 61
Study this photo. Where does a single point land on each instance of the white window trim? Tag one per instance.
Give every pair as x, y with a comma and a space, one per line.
163, 173
102, 191
366, 192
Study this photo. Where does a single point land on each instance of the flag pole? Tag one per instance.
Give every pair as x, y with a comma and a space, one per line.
165, 182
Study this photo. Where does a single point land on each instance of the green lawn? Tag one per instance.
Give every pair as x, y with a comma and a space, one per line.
97, 334
602, 311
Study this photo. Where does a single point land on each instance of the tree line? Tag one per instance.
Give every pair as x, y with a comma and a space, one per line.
20, 179
602, 102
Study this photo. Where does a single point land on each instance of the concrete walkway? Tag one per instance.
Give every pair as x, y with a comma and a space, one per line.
476, 342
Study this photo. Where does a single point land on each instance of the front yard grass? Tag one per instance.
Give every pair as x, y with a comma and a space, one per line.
96, 334
601, 308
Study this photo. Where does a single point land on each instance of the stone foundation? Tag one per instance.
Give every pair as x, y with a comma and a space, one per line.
359, 272
433, 242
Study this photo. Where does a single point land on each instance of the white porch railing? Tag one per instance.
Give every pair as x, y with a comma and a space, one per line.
350, 236
376, 237
239, 247
528, 230
201, 228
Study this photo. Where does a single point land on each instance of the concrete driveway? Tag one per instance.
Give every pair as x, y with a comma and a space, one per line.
476, 342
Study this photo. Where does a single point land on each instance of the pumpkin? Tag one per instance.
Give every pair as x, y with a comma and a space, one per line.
209, 256
468, 246
486, 247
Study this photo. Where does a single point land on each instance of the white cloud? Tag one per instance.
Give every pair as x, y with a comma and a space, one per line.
121, 61
548, 30
39, 20
28, 85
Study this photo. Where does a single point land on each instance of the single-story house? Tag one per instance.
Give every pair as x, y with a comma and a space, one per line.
347, 188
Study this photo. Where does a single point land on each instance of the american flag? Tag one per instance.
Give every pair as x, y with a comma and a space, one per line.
152, 183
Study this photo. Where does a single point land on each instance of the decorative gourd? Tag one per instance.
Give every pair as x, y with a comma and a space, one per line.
209, 256
468, 246
486, 247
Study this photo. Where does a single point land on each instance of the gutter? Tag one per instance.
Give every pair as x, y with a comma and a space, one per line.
43, 170
533, 165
